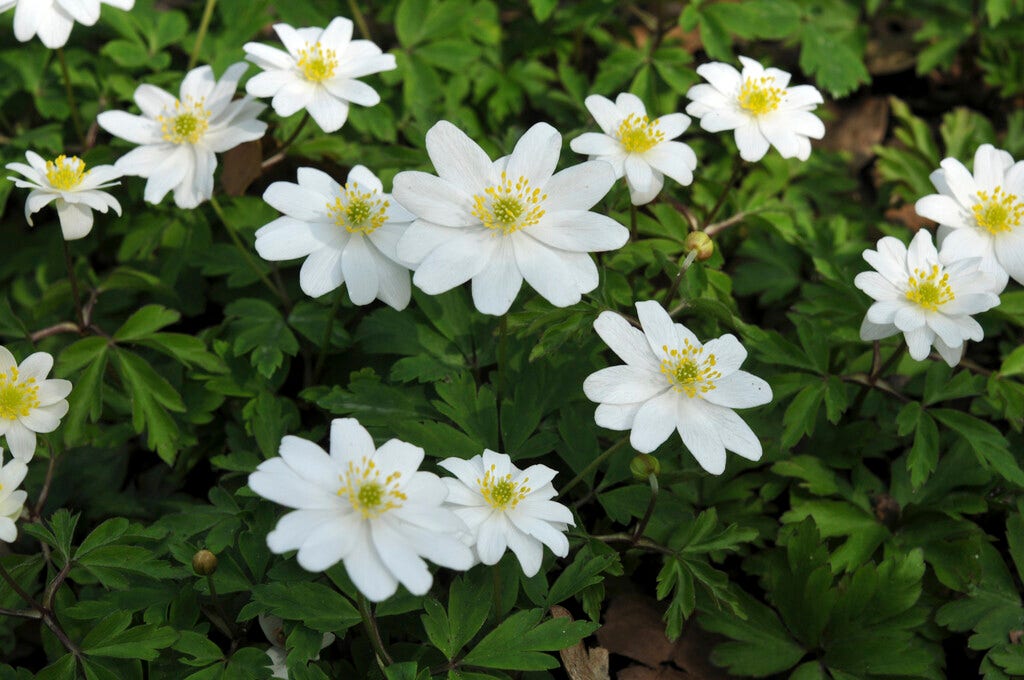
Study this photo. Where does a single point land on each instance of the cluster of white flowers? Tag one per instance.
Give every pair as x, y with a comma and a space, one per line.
375, 511
29, 404
930, 294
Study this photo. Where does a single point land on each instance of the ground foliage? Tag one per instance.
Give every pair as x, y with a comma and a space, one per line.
880, 536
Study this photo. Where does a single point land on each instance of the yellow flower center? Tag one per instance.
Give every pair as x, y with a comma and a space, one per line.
760, 96
317, 64
369, 494
998, 211
931, 290
638, 134
17, 398
688, 370
359, 212
502, 493
509, 206
187, 124
65, 173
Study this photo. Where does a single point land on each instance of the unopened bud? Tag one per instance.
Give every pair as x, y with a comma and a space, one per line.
643, 466
204, 563
700, 242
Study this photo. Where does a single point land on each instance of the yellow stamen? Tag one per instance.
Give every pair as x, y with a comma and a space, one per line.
65, 173
502, 493
931, 290
998, 211
509, 206
689, 371
359, 212
760, 96
187, 124
370, 495
638, 134
316, 63
17, 398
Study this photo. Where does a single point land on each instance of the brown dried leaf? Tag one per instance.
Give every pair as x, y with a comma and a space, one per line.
858, 127
907, 216
242, 167
633, 628
580, 663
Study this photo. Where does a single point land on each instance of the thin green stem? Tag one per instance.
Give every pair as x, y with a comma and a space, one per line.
737, 166
683, 267
496, 591
250, 260
593, 465
632, 222
639, 531
370, 623
76, 117
499, 390
204, 26
219, 606
282, 150
75, 291
325, 343
360, 20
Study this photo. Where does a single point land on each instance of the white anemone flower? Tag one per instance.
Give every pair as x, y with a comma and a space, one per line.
927, 295
501, 222
179, 137
637, 147
12, 499
348, 234
980, 214
52, 20
318, 72
760, 106
77, 191
367, 507
508, 508
673, 382
29, 403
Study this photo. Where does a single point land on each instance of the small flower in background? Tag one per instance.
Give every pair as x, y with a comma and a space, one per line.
318, 72
980, 214
673, 382
29, 403
52, 20
12, 499
927, 295
507, 508
273, 628
76, 190
178, 138
349, 234
637, 147
370, 508
759, 106
501, 222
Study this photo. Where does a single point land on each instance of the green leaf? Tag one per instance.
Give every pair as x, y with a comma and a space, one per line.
760, 646
152, 397
985, 440
258, 327
314, 604
145, 322
584, 571
924, 455
519, 642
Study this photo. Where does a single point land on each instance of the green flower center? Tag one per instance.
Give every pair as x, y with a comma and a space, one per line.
509, 205
930, 289
760, 96
998, 211
316, 63
17, 399
356, 211
188, 123
688, 370
502, 493
637, 134
370, 495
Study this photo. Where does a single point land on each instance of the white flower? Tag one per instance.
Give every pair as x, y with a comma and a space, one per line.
980, 215
636, 146
505, 507
500, 222
273, 628
179, 137
29, 403
318, 72
759, 106
76, 190
928, 295
12, 499
349, 234
52, 20
673, 382
370, 508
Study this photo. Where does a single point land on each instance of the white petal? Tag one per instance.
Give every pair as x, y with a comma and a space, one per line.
328, 112
350, 441
542, 267
674, 159
498, 283
628, 343
657, 326
135, 129
752, 144
739, 390
400, 559
75, 220
434, 199
579, 187
535, 154
454, 262
624, 385
358, 266
579, 231
700, 435
458, 160
21, 441
369, 573
654, 422
604, 111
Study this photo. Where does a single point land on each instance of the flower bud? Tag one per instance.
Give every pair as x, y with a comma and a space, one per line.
204, 563
702, 243
643, 466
